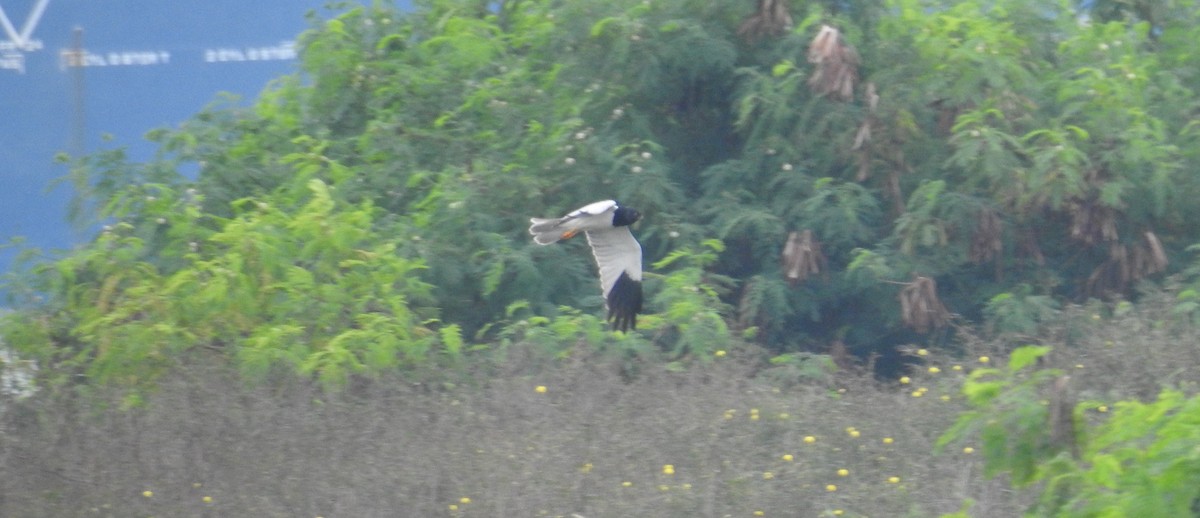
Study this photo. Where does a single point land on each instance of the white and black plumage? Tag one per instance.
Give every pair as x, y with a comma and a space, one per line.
618, 254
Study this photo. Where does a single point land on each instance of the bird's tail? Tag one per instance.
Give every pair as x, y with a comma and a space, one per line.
545, 231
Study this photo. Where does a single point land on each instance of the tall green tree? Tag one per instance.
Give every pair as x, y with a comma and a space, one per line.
872, 169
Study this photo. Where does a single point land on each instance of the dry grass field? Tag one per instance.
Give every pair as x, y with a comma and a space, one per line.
571, 438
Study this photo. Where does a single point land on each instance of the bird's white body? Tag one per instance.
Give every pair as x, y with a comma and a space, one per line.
595, 216
618, 254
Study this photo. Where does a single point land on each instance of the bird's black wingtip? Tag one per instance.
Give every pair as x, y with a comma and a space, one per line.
624, 303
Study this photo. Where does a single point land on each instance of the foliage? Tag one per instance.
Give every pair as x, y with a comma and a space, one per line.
1020, 311
304, 288
902, 154
692, 311
1141, 460
691, 323
1008, 416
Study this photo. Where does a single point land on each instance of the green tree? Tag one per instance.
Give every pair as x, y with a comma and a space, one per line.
873, 170
1139, 461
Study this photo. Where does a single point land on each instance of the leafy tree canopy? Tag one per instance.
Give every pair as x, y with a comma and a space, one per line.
811, 173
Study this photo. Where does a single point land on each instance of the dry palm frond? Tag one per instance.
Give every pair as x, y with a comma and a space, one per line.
1156, 257
1092, 222
1028, 247
836, 65
770, 19
920, 307
863, 137
1062, 416
947, 115
1126, 265
986, 243
840, 354
802, 256
864, 130
1112, 276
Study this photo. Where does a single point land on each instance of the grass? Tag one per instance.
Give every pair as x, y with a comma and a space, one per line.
572, 439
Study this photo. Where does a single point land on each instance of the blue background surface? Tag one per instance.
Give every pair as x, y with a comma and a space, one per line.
37, 107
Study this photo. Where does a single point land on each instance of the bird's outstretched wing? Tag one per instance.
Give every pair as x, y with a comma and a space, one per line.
594, 215
619, 257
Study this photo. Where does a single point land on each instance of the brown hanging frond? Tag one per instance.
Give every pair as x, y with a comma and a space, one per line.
1028, 247
985, 242
1062, 416
802, 257
840, 354
836, 70
1157, 257
770, 19
1092, 223
920, 307
863, 137
1112, 275
1126, 265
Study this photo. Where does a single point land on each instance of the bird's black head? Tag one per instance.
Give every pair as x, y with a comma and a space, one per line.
625, 216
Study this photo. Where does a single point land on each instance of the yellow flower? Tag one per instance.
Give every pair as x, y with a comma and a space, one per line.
729, 413
905, 380
945, 397
984, 359
922, 352
767, 475
843, 472
664, 487
464, 500
1102, 408
1078, 365
453, 507
968, 450
956, 367
668, 469
784, 415
810, 439
626, 484
787, 457
918, 393
759, 513
831, 488
854, 433
147, 493
196, 485
541, 389
720, 353
934, 370
207, 499
686, 486
838, 512
893, 480
586, 468
888, 440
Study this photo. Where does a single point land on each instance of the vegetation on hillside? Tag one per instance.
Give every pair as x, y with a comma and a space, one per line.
824, 184
594, 442
874, 174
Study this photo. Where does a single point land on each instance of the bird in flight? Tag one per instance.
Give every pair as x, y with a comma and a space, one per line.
618, 254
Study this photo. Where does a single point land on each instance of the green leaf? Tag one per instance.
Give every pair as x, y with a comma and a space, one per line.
1025, 356
600, 26
452, 339
782, 68
492, 279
